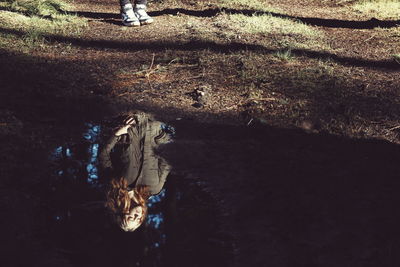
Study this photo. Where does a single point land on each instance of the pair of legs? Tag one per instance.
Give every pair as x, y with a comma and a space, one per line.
134, 15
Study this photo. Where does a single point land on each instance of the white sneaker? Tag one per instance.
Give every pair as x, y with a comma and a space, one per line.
128, 16
141, 14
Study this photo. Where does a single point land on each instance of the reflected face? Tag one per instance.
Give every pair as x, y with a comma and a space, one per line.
133, 220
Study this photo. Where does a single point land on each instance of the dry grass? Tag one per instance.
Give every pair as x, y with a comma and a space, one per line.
397, 58
201, 30
36, 7
275, 32
268, 24
383, 9
60, 24
285, 54
35, 19
257, 5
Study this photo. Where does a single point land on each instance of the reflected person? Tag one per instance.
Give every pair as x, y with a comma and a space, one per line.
135, 173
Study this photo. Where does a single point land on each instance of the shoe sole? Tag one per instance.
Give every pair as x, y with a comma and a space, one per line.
146, 22
131, 24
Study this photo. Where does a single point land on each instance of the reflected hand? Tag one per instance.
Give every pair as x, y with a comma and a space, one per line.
124, 129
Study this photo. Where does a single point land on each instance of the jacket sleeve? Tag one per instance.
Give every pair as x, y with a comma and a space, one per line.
155, 169
163, 170
162, 137
105, 153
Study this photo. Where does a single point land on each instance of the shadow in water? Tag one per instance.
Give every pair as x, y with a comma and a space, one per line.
307, 199
182, 225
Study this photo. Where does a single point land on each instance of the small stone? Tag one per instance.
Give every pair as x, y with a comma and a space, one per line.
198, 105
307, 125
203, 94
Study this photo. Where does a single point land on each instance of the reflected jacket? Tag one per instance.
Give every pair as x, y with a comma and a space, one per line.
132, 155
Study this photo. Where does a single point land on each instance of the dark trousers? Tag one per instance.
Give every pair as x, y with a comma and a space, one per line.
134, 2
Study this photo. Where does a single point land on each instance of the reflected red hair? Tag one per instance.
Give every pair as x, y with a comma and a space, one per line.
119, 203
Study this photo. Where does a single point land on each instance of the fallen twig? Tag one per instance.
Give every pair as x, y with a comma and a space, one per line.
394, 128
373, 36
185, 65
172, 61
263, 99
130, 92
152, 61
150, 71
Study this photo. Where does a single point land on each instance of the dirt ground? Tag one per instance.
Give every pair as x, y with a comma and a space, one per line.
301, 154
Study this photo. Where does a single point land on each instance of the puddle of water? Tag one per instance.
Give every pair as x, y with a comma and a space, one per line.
73, 160
182, 227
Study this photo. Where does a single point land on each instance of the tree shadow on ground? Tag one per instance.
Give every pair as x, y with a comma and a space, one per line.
301, 199
212, 12
40, 101
338, 102
35, 89
330, 23
231, 47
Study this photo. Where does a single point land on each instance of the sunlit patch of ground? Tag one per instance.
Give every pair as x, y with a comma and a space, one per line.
397, 58
257, 5
277, 32
382, 9
33, 22
266, 30
159, 82
389, 39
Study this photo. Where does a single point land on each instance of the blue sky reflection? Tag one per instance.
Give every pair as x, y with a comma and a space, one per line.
155, 219
68, 154
92, 135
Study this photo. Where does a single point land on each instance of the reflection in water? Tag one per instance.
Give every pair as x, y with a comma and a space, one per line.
155, 219
92, 136
182, 224
83, 154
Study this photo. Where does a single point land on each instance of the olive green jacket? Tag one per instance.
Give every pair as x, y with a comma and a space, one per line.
132, 155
